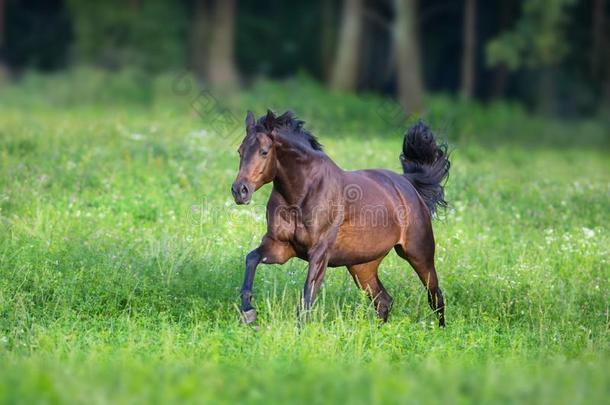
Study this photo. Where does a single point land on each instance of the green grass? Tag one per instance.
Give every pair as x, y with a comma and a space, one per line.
121, 258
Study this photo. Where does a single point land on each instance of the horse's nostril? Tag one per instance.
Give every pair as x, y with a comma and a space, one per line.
244, 190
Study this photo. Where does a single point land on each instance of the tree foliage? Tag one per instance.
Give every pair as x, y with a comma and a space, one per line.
537, 40
116, 33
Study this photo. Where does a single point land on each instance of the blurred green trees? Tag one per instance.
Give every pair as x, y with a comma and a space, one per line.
115, 34
538, 38
482, 50
538, 41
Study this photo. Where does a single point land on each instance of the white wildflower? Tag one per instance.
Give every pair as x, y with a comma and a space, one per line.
589, 233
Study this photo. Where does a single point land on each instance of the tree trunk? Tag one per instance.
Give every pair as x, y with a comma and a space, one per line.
3, 66
327, 37
221, 68
2, 23
606, 89
598, 37
200, 34
546, 92
410, 86
135, 5
501, 73
345, 70
500, 81
469, 48
604, 57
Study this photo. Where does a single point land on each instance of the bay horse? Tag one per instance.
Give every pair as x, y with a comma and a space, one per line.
330, 217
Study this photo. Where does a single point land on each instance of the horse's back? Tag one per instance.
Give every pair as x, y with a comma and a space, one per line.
396, 185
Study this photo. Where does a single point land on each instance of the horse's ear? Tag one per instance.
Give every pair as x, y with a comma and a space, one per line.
249, 120
269, 119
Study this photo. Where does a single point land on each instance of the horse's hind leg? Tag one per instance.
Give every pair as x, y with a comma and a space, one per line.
419, 252
365, 276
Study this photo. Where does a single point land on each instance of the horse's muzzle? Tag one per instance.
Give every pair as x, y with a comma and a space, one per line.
242, 193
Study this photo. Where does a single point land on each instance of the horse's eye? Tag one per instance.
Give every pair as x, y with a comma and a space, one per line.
264, 152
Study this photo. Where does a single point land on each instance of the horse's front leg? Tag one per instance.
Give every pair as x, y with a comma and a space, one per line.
318, 261
270, 251
248, 313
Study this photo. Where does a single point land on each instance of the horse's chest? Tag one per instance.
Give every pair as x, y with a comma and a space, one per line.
302, 236
289, 227
302, 227
294, 232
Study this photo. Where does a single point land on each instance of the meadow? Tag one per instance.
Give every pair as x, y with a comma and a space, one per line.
122, 254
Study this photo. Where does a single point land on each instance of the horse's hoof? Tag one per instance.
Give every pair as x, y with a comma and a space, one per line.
249, 316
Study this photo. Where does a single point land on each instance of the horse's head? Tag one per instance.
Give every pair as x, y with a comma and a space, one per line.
257, 164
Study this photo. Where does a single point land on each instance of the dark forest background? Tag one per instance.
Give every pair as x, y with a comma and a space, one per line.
552, 56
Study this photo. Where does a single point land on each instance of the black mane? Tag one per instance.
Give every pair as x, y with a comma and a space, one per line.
289, 124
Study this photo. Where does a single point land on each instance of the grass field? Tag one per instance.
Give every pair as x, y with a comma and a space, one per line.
121, 257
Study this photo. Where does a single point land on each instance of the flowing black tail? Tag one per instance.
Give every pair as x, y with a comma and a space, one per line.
425, 164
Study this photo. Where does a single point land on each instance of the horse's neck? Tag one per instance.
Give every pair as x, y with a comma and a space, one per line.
296, 173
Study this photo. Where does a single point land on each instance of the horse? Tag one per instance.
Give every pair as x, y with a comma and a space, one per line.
330, 217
